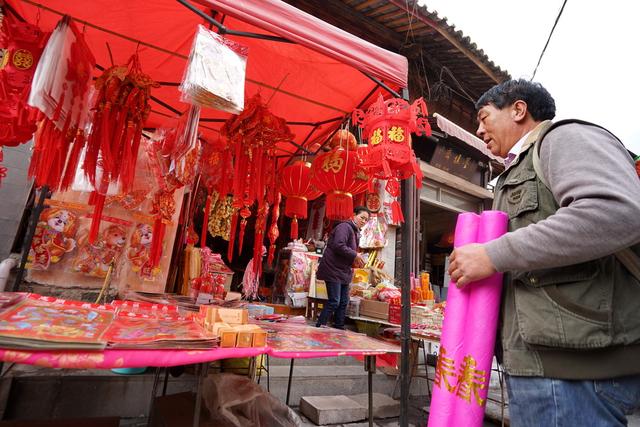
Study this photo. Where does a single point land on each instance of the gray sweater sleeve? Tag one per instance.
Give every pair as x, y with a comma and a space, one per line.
594, 181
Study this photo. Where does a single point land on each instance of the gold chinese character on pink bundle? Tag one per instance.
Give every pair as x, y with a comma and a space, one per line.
470, 381
396, 134
445, 367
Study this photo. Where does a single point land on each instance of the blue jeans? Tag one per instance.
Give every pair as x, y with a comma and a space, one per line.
535, 401
338, 299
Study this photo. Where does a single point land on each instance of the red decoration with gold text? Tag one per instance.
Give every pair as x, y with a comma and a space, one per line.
388, 126
339, 174
295, 185
21, 45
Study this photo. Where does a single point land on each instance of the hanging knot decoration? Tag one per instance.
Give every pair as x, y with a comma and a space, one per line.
121, 108
253, 135
387, 127
295, 185
21, 45
339, 174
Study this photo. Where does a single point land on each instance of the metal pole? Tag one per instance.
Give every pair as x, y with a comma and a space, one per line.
370, 367
408, 245
289, 383
26, 244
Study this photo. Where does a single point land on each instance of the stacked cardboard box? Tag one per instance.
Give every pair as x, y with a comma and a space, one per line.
231, 325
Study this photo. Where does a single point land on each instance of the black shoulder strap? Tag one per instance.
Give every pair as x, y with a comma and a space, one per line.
626, 256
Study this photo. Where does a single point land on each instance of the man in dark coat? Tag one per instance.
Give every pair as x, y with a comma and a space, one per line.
335, 266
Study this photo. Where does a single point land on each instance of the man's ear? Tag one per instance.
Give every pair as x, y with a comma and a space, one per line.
519, 110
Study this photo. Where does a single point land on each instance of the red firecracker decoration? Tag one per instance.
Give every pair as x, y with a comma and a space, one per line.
21, 45
3, 170
339, 174
388, 126
295, 185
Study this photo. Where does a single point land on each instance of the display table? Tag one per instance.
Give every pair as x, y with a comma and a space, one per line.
285, 341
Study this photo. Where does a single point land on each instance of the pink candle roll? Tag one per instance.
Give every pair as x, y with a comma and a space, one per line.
481, 323
451, 342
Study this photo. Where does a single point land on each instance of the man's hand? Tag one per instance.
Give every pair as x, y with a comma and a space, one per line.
470, 263
358, 262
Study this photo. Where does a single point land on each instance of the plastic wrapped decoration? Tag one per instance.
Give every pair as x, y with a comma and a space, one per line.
215, 74
21, 45
372, 235
139, 252
388, 126
339, 174
60, 90
54, 237
295, 185
93, 259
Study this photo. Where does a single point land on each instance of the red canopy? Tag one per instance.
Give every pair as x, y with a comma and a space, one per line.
319, 78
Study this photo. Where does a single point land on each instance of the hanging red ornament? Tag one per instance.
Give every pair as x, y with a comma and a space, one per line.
295, 185
253, 135
388, 126
245, 213
21, 45
339, 174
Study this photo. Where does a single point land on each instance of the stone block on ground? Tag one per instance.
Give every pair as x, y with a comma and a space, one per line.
383, 406
324, 410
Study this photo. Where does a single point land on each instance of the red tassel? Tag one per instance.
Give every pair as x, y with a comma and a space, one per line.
294, 228
97, 216
205, 223
232, 235
272, 253
72, 163
243, 225
396, 213
156, 244
339, 206
295, 206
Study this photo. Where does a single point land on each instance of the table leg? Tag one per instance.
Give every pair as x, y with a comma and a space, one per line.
202, 371
156, 380
268, 373
166, 381
370, 367
289, 383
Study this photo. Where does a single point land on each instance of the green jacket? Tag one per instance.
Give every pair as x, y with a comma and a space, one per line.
573, 322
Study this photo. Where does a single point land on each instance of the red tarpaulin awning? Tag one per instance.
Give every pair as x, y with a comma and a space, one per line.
318, 79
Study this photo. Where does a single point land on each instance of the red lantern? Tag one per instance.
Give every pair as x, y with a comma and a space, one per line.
339, 174
343, 138
295, 185
388, 126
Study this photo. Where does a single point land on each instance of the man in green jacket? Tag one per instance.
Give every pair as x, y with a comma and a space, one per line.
570, 321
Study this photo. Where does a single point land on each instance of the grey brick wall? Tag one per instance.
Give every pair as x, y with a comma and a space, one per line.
14, 191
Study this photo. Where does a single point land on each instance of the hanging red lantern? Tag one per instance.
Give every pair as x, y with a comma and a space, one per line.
339, 174
388, 126
295, 185
343, 138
